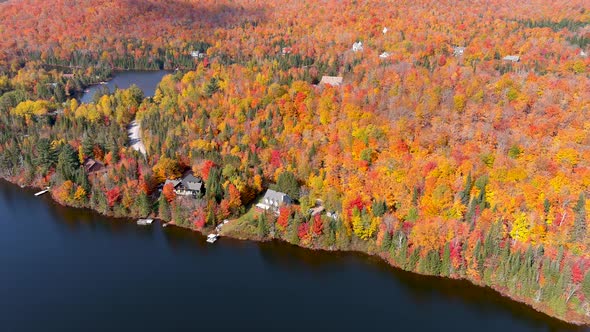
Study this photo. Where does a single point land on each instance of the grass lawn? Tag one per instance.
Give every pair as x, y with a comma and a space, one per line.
242, 225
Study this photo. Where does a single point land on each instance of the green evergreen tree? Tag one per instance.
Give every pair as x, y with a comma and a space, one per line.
164, 209
378, 207
586, 285
578, 231
46, 155
431, 263
87, 146
287, 183
211, 219
412, 260
262, 228
445, 267
213, 186
67, 163
386, 243
143, 203
478, 255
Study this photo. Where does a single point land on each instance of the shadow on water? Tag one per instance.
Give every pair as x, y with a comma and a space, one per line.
420, 287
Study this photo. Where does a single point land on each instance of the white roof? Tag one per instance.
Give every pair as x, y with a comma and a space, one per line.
358, 46
331, 80
513, 58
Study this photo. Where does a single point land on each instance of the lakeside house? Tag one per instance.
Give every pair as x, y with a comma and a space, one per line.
512, 58
331, 80
273, 200
187, 185
92, 166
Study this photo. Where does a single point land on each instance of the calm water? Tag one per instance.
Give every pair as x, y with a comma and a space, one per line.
64, 269
147, 81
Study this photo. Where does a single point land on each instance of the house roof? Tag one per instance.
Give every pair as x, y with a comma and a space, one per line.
91, 165
513, 58
173, 182
191, 182
332, 80
275, 198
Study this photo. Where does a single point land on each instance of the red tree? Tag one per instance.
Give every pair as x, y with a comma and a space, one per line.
577, 273
303, 231
207, 165
168, 192
318, 225
113, 196
283, 220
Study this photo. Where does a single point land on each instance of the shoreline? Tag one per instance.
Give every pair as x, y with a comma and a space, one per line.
241, 236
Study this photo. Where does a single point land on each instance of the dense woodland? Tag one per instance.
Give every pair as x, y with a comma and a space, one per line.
458, 165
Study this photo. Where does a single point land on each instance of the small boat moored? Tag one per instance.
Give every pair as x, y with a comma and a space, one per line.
145, 222
211, 238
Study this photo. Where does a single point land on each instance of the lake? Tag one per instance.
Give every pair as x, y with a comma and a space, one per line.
65, 269
147, 81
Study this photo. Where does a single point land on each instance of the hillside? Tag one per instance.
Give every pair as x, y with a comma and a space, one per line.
437, 152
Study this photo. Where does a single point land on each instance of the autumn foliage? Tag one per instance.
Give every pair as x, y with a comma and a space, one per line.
434, 149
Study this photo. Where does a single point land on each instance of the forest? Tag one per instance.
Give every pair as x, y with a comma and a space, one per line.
435, 153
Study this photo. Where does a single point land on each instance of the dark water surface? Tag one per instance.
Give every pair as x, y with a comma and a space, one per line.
147, 81
64, 269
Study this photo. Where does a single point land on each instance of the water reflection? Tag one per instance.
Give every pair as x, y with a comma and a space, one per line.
421, 289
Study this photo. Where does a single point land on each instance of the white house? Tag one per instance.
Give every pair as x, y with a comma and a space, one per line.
273, 200
384, 55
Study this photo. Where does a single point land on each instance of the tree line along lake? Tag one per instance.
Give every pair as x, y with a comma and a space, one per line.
66, 269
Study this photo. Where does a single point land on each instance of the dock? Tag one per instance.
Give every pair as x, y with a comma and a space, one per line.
42, 192
211, 238
145, 222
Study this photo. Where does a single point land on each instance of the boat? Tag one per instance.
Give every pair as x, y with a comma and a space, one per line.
144, 222
211, 238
